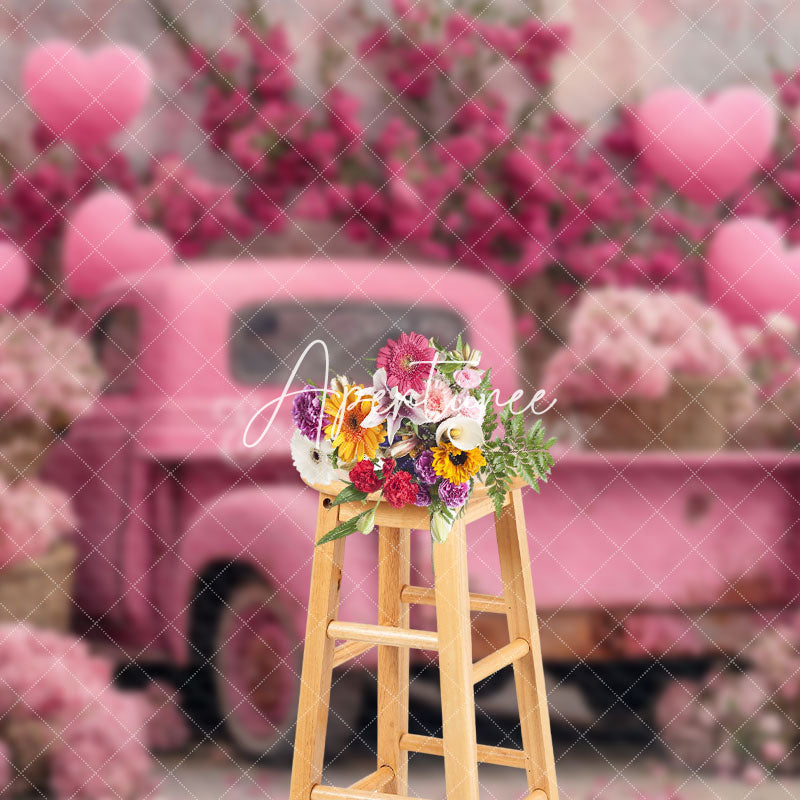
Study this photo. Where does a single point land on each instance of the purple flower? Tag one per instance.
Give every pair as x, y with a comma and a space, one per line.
423, 497
307, 410
454, 495
423, 466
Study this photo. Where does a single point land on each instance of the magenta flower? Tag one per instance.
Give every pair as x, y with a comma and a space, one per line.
408, 362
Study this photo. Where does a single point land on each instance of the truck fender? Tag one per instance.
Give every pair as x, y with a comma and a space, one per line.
268, 528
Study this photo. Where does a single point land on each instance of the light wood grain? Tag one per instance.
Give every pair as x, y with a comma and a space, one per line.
375, 634
376, 781
348, 651
332, 793
487, 603
392, 635
315, 680
501, 658
455, 665
394, 572
512, 543
487, 754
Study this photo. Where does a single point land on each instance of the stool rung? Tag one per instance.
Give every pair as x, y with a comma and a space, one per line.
487, 754
501, 657
418, 595
537, 794
383, 635
320, 792
375, 781
348, 651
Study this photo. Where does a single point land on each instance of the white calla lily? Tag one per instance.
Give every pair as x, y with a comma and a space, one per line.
463, 432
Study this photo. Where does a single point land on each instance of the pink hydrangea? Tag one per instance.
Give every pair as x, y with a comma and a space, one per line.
98, 752
633, 342
32, 517
49, 373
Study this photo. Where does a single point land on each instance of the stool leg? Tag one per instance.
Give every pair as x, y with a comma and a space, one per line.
455, 665
315, 682
394, 572
512, 543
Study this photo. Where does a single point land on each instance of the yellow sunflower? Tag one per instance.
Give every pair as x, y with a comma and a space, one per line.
347, 409
456, 466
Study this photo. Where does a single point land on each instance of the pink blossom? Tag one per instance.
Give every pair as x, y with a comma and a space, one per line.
468, 378
471, 407
437, 400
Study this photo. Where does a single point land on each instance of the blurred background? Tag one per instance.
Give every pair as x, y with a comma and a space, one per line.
602, 196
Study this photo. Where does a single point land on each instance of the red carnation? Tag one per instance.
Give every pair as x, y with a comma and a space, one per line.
399, 490
388, 467
364, 478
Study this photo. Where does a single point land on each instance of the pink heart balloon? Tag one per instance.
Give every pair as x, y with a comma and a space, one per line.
105, 241
14, 274
85, 98
751, 272
706, 149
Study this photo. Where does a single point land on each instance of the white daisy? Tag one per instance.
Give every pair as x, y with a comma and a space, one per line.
312, 462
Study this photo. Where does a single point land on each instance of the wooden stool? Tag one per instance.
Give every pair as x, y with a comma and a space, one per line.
453, 640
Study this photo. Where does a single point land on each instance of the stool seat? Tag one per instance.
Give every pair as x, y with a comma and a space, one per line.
394, 638
479, 506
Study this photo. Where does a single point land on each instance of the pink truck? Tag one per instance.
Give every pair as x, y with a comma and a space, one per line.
196, 552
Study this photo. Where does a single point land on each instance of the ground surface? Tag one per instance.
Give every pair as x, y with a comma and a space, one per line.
210, 774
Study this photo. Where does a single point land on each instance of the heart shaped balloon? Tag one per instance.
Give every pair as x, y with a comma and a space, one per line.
14, 274
706, 148
105, 241
85, 98
751, 272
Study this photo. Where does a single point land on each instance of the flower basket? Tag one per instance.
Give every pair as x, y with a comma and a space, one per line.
23, 445
29, 740
38, 591
693, 414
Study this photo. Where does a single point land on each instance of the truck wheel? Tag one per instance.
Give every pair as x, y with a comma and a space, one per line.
256, 677
256, 671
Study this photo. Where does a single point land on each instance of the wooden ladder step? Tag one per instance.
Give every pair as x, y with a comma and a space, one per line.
320, 792
501, 657
487, 754
383, 635
376, 781
420, 596
348, 651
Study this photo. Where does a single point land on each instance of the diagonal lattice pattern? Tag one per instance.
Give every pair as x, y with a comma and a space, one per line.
694, 471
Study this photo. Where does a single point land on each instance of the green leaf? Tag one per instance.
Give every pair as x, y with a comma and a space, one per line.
349, 495
345, 528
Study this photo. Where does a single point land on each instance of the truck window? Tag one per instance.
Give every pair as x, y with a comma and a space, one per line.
115, 339
267, 340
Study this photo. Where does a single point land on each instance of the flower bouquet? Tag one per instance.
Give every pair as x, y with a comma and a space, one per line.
423, 434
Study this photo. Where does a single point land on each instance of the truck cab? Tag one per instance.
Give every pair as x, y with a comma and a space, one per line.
195, 550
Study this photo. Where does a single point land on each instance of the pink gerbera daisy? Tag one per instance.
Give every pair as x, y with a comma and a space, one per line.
408, 362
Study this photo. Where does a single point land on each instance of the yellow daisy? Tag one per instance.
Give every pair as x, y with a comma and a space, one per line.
347, 410
456, 466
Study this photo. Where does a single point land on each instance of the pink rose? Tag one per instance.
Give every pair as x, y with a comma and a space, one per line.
468, 378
